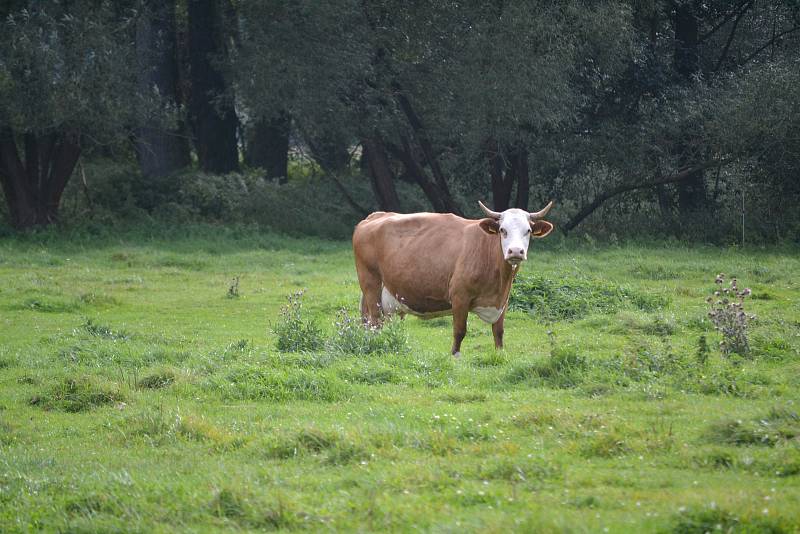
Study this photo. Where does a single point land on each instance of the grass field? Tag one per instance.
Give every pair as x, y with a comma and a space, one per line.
138, 392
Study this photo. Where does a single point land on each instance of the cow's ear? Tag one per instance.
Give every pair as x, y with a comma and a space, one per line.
490, 226
540, 229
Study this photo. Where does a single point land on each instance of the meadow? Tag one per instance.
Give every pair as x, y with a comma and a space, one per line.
142, 390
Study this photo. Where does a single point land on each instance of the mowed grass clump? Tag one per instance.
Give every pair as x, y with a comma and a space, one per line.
564, 368
158, 428
332, 447
714, 519
570, 297
244, 510
78, 394
254, 382
780, 425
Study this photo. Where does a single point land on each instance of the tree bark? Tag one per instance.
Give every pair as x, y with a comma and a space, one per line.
268, 147
692, 194
211, 111
381, 174
33, 188
160, 151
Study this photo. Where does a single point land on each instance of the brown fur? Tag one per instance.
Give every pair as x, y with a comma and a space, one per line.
436, 263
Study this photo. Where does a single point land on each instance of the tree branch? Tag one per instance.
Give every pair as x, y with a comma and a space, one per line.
725, 50
769, 43
680, 176
725, 20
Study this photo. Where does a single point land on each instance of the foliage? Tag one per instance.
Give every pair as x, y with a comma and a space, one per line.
296, 332
68, 66
574, 297
729, 318
353, 337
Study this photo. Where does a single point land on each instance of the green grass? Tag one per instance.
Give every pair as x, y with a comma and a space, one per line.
136, 395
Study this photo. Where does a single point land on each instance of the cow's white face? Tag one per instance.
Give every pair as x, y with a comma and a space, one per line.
515, 235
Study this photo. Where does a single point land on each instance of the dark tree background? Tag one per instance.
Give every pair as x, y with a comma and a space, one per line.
655, 114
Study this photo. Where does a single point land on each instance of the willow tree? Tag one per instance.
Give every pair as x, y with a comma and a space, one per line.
64, 82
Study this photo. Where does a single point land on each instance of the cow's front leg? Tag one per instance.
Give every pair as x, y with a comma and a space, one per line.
497, 331
459, 327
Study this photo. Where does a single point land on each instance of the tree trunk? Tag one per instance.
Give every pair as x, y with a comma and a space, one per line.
692, 194
415, 171
160, 151
329, 149
33, 188
426, 146
519, 169
211, 111
268, 147
502, 180
381, 174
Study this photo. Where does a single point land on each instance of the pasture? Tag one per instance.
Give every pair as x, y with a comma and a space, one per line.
141, 390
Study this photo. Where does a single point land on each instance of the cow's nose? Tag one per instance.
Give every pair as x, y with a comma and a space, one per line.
516, 253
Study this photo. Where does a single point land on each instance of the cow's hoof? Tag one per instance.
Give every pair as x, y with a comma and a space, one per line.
456, 354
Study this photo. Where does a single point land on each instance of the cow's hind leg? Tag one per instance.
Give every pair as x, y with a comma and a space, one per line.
371, 287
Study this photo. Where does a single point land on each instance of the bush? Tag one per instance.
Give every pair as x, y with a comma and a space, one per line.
354, 337
296, 333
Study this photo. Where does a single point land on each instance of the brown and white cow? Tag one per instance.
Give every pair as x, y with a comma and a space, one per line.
433, 264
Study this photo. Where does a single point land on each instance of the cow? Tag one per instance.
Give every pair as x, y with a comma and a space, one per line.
435, 264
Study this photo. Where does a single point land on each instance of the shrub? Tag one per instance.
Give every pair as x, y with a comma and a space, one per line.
729, 318
294, 331
354, 337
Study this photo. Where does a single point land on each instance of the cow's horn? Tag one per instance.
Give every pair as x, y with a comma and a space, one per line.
540, 214
488, 212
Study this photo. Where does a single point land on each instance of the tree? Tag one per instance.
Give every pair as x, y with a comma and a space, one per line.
64, 82
211, 111
268, 147
161, 150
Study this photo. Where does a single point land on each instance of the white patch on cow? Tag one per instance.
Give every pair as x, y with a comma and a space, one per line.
488, 314
515, 233
392, 304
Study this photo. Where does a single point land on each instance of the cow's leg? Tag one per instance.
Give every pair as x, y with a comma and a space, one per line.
371, 287
497, 331
460, 313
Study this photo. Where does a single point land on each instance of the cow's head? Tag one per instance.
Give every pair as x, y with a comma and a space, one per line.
516, 227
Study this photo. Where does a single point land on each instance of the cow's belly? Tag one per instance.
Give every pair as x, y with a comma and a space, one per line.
392, 305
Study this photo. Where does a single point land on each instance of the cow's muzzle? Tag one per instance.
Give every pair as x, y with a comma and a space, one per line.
515, 256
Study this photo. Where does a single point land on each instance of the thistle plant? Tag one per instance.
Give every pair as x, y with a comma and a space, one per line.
728, 315
295, 331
